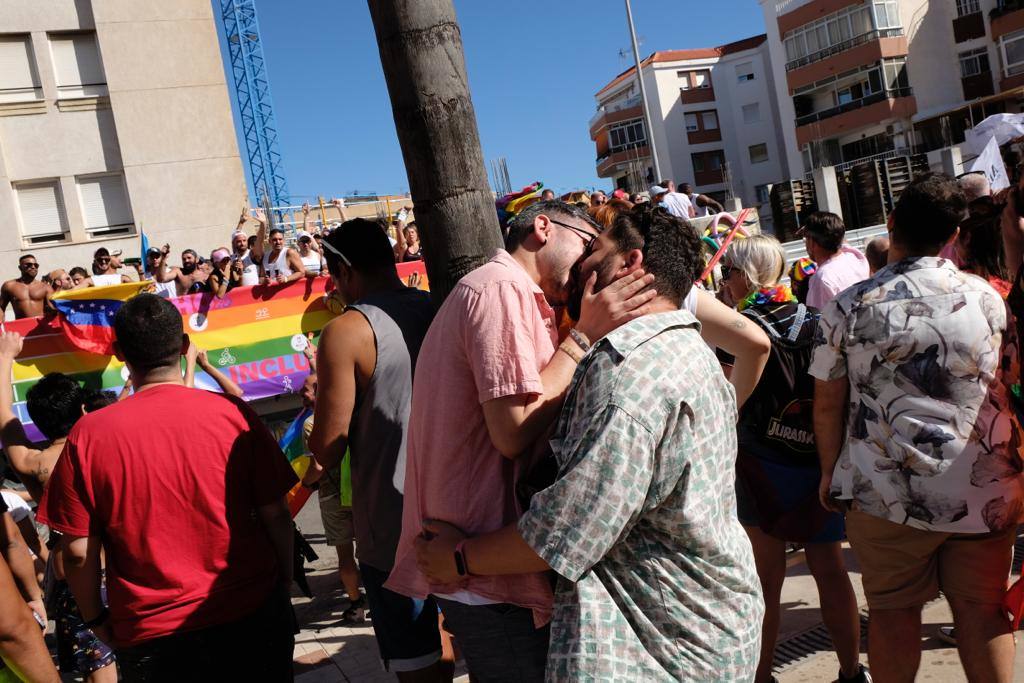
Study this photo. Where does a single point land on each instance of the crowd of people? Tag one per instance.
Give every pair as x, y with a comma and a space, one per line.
262, 258
588, 465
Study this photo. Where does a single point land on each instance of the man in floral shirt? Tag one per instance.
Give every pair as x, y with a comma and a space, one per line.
917, 364
656, 576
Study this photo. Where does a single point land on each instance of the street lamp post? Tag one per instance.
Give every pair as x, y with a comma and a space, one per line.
643, 95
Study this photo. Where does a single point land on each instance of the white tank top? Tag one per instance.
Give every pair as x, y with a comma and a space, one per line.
278, 266
250, 273
312, 263
106, 280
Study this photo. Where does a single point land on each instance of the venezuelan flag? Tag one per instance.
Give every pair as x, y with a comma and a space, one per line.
87, 315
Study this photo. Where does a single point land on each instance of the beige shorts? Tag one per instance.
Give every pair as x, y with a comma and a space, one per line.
906, 567
337, 521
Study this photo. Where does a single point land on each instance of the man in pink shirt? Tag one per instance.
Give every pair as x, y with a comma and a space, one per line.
839, 265
490, 381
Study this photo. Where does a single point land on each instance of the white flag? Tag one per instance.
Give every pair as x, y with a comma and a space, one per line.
990, 161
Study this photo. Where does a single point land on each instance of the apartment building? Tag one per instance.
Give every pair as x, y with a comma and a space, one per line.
714, 117
870, 78
114, 118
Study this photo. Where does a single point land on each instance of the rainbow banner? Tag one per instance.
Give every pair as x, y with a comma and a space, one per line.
255, 335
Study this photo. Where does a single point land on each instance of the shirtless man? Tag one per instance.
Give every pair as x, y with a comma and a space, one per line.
25, 294
59, 280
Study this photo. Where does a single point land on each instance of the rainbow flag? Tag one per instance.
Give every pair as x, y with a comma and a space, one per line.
86, 316
255, 335
295, 450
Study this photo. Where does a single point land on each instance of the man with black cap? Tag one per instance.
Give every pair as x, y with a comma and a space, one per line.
839, 265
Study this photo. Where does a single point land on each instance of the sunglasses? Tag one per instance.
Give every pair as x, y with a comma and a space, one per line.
727, 271
588, 237
330, 248
29, 265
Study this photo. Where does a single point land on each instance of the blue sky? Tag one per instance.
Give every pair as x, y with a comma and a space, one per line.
533, 69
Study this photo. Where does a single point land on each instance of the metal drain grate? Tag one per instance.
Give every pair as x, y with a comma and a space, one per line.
807, 644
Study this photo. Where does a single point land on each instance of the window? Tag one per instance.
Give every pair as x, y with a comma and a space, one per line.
887, 14
745, 71
709, 119
19, 81
965, 7
763, 193
758, 153
76, 61
692, 123
626, 133
751, 113
1012, 47
698, 163
695, 79
715, 161
835, 29
41, 207
896, 74
974, 62
105, 204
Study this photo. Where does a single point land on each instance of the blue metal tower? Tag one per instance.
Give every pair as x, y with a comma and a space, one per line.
255, 108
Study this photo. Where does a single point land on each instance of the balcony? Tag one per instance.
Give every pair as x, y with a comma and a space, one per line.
968, 27
882, 47
621, 154
697, 95
978, 85
1007, 17
708, 177
613, 113
699, 137
873, 109
863, 38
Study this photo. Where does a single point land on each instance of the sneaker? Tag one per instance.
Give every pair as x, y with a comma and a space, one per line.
947, 634
862, 676
355, 613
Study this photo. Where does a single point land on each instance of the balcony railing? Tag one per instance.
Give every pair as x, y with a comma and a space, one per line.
843, 46
621, 148
1005, 7
855, 104
614, 107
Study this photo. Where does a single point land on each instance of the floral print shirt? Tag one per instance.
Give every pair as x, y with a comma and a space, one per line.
933, 441
656, 575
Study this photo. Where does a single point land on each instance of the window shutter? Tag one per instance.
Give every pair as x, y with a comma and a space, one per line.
76, 60
42, 209
16, 64
104, 202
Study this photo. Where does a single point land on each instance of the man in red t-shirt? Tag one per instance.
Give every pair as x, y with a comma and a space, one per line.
185, 491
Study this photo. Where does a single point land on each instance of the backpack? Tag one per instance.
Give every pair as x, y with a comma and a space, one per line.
777, 420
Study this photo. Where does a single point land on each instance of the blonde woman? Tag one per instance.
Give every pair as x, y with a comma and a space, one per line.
777, 471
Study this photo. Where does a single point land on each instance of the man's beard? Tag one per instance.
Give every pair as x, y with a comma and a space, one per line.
189, 268
577, 284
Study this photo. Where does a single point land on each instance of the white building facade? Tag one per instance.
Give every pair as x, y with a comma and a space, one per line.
715, 122
115, 117
866, 78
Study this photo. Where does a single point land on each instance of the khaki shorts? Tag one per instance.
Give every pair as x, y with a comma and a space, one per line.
906, 567
337, 521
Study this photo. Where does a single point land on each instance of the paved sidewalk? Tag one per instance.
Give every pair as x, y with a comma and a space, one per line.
327, 652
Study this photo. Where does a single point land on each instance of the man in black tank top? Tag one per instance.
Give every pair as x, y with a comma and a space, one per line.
365, 364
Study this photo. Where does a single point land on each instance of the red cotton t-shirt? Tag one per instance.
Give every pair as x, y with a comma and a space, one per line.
170, 479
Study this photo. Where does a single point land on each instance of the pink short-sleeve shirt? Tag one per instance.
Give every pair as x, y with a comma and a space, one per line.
491, 338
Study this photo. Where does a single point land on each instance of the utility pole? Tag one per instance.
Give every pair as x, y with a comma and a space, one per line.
643, 95
420, 47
